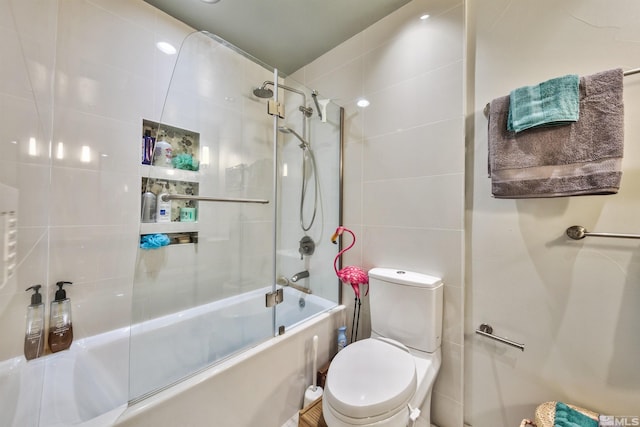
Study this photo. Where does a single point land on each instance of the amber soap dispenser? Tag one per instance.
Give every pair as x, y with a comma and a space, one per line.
60, 327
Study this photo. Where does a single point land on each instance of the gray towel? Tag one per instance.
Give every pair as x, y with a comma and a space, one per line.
582, 158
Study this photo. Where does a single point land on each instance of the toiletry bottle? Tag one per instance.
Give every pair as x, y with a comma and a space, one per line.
163, 211
162, 154
34, 333
342, 337
148, 207
148, 147
60, 328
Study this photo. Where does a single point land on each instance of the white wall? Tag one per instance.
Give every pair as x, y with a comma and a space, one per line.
573, 303
404, 159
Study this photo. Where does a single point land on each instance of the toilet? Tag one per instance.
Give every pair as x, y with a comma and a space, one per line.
387, 380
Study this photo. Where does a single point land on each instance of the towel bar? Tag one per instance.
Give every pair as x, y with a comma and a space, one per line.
486, 330
167, 197
625, 74
630, 72
577, 232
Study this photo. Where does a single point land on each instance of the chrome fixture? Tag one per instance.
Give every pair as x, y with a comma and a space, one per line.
486, 330
307, 246
264, 92
578, 232
273, 298
283, 281
301, 275
167, 197
303, 144
314, 95
306, 148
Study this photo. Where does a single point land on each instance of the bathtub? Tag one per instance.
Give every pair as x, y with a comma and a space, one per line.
101, 376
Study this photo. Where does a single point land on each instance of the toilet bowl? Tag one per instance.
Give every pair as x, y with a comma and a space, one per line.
380, 381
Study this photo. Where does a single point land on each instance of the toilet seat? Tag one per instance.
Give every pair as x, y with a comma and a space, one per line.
371, 378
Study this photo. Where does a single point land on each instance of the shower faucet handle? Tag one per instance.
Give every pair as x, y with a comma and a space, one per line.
307, 246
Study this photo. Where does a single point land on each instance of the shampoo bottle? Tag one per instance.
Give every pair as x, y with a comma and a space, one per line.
34, 333
148, 147
162, 154
148, 207
163, 212
60, 328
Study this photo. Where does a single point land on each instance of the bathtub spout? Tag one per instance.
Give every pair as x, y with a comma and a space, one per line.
299, 276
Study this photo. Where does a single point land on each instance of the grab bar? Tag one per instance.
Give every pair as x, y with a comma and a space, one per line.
167, 197
283, 281
577, 232
487, 331
299, 288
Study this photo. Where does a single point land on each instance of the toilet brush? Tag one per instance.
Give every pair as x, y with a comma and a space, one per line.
314, 391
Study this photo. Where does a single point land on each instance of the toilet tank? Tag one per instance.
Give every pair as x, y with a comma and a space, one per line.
406, 307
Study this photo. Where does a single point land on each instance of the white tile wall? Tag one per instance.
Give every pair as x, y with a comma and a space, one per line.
404, 159
108, 76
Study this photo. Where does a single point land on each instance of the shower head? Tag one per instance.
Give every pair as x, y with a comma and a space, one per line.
263, 92
303, 144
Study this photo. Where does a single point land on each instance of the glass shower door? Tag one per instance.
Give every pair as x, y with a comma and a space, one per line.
204, 266
309, 182
25, 171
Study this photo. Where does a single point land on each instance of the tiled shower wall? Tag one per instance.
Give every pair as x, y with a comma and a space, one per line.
404, 159
95, 73
85, 73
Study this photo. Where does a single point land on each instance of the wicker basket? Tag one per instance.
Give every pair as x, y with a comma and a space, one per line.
546, 415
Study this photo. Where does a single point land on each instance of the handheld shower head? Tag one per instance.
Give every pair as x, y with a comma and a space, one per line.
307, 158
303, 144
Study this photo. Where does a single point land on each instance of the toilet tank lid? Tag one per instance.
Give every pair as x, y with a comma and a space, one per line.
404, 277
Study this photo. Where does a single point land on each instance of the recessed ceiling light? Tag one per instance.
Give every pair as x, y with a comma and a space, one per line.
425, 16
363, 103
167, 48
210, 1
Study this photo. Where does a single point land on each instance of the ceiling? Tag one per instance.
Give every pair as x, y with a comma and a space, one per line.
285, 34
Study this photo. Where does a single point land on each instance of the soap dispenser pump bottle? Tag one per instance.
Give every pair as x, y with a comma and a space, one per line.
34, 333
60, 327
163, 207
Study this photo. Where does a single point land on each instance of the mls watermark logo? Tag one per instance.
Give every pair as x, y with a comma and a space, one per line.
619, 420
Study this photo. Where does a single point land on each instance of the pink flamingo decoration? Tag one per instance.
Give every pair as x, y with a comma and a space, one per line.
352, 275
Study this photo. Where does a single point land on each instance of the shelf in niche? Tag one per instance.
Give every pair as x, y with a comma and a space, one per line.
169, 174
168, 227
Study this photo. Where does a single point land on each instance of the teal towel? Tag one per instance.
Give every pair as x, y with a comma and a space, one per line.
550, 103
567, 417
